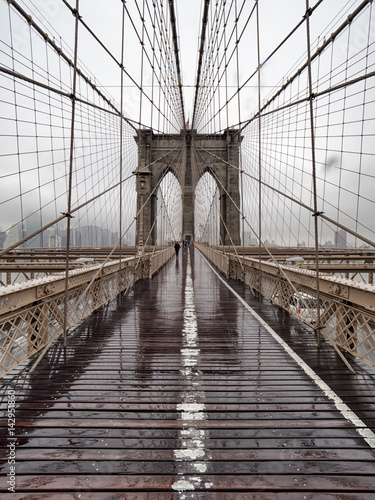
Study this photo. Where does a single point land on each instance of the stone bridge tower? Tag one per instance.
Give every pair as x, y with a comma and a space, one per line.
187, 156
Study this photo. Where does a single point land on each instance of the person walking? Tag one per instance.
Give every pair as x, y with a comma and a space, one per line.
177, 248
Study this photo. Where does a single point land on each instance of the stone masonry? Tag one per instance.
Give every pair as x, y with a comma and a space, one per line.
187, 156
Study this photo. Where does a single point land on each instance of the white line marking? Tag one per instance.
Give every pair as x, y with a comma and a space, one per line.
192, 439
343, 408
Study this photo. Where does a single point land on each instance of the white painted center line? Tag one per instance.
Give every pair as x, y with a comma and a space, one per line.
191, 453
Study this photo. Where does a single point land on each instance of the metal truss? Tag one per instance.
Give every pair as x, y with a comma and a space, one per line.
32, 313
347, 307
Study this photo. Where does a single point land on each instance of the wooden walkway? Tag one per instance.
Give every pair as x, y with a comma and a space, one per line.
181, 393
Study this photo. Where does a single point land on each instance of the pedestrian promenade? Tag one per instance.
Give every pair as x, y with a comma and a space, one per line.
185, 392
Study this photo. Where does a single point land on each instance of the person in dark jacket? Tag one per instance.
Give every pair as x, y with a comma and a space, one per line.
177, 248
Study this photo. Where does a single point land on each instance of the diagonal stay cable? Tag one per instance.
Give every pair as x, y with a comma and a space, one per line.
298, 202
64, 215
177, 58
45, 349
201, 52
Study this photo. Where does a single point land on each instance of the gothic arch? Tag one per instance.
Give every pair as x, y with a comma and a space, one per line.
188, 156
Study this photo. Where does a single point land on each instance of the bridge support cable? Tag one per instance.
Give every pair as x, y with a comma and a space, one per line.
294, 289
350, 148
70, 179
90, 144
291, 146
86, 118
62, 217
161, 79
259, 151
121, 141
208, 226
208, 97
177, 57
156, 20
272, 258
262, 245
239, 119
78, 208
201, 53
325, 44
226, 48
294, 200
313, 160
203, 161
51, 42
242, 88
97, 273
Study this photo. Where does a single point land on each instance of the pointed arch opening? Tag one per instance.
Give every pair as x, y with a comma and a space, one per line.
169, 211
207, 211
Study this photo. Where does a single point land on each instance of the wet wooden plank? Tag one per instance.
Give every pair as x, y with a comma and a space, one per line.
224, 454
165, 495
142, 404
257, 423
157, 482
119, 466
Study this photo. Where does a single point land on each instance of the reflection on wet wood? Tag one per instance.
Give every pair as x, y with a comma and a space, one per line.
179, 393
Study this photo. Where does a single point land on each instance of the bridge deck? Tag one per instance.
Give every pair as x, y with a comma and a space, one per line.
181, 393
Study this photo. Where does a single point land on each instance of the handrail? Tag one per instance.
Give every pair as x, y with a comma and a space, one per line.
32, 313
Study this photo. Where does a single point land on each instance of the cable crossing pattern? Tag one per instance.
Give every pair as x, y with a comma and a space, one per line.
292, 95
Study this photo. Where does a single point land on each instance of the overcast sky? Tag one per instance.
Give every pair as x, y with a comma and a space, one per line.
277, 18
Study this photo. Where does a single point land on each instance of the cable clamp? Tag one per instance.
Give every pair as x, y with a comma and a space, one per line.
76, 13
67, 214
317, 214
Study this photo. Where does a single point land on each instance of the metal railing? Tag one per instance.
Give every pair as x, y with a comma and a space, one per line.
347, 307
32, 313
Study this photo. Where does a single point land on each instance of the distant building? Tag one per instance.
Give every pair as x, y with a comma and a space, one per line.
329, 244
90, 236
75, 237
340, 239
15, 234
32, 224
3, 236
54, 241
247, 238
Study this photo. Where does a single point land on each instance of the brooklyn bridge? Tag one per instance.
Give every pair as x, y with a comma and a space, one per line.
187, 249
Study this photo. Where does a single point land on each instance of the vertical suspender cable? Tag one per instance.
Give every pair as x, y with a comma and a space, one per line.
121, 144
68, 216
315, 197
239, 139
153, 65
260, 162
142, 56
226, 68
